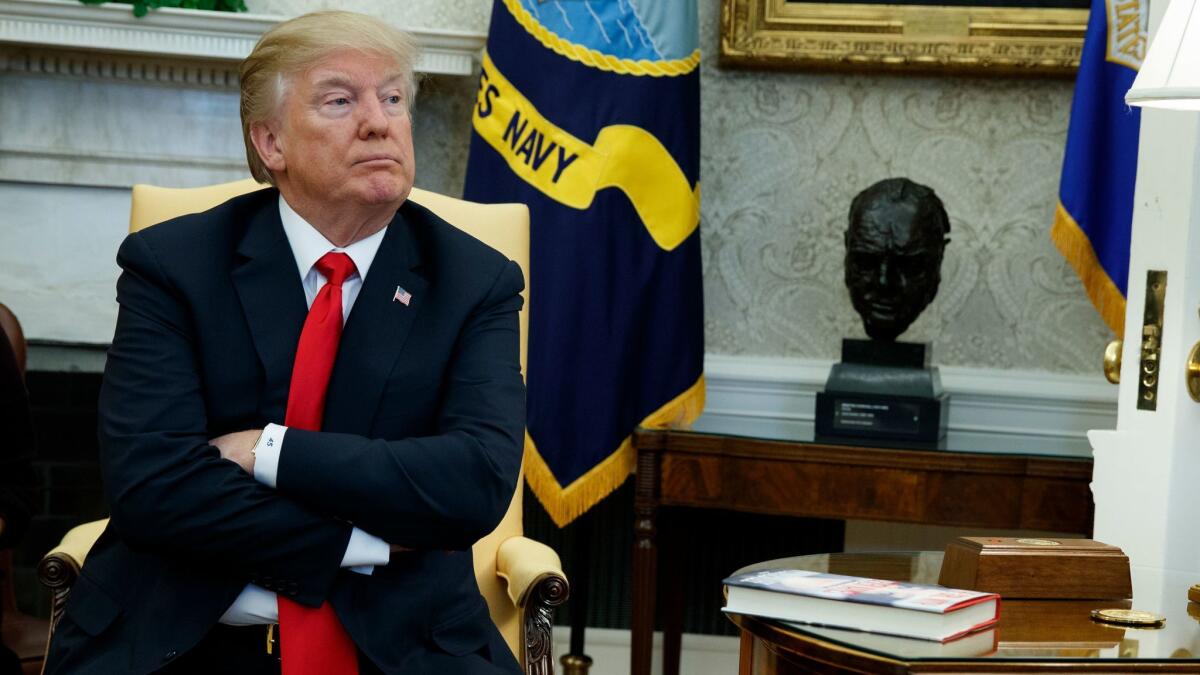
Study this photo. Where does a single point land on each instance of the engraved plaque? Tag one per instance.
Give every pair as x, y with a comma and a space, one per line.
898, 416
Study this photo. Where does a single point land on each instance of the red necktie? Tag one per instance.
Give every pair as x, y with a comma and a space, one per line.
313, 641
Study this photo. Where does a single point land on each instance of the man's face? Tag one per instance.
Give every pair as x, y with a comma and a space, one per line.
892, 267
343, 135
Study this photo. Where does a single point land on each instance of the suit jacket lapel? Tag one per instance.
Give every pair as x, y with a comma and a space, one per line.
375, 331
272, 298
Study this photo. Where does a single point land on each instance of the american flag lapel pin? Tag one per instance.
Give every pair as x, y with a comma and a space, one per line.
402, 296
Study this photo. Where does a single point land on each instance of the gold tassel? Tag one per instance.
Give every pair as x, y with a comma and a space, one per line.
567, 504
1077, 249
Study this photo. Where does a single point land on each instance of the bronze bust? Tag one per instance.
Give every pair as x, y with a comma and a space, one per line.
894, 246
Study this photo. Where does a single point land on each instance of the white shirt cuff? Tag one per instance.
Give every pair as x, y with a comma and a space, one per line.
254, 606
266, 454
364, 551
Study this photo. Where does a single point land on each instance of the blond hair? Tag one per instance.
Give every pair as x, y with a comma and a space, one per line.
290, 47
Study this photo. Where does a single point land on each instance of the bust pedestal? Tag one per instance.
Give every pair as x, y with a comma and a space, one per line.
883, 390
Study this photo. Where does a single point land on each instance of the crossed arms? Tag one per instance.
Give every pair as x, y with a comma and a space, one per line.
171, 490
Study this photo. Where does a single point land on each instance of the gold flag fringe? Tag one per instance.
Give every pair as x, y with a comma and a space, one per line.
1077, 249
565, 504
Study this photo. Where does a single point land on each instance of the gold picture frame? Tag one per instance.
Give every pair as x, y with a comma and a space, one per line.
975, 40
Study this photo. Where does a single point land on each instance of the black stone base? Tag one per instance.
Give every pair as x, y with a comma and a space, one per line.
881, 353
881, 416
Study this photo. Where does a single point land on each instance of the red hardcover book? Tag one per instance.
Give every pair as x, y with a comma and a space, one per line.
980, 643
857, 603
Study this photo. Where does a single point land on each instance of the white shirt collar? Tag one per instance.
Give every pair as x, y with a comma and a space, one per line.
308, 245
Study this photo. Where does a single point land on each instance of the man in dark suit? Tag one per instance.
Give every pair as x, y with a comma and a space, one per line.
266, 463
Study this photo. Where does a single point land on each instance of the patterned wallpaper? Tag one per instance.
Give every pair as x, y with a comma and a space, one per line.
783, 155
786, 152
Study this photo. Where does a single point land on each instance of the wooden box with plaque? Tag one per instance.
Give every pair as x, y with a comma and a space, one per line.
1027, 568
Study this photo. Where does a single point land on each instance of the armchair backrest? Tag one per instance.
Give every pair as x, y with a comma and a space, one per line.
504, 227
10, 330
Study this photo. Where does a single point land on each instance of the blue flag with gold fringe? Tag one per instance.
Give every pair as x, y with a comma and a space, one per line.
1093, 222
589, 112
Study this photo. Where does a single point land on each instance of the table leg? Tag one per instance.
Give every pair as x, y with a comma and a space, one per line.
673, 599
645, 563
746, 654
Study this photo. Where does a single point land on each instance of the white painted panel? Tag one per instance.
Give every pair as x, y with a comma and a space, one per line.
58, 248
113, 133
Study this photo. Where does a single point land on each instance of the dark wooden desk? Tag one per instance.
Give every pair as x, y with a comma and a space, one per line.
1033, 636
823, 480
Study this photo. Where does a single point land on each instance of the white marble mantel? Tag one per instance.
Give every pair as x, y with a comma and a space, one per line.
216, 37
93, 101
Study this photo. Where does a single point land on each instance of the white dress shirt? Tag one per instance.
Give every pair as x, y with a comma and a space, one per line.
257, 605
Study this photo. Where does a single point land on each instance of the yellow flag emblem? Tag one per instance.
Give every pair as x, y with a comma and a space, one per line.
570, 171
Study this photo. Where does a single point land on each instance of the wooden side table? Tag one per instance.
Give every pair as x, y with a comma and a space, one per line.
1033, 636
824, 480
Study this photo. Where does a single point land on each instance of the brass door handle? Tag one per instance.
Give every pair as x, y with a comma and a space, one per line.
1112, 361
1192, 377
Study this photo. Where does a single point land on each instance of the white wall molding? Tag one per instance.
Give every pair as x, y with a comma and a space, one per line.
175, 71
214, 37
1032, 411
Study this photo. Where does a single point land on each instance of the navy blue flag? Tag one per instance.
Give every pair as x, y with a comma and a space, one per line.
1094, 219
589, 112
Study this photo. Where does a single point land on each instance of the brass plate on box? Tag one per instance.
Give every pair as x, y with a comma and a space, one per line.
1149, 364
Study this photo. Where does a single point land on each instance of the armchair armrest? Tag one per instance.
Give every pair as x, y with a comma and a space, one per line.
524, 563
536, 585
59, 568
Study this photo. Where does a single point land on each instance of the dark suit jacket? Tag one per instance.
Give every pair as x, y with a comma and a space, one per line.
421, 443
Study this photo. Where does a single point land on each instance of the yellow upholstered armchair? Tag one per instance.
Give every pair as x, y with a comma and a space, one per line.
522, 580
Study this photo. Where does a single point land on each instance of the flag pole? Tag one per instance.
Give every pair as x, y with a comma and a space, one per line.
576, 662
